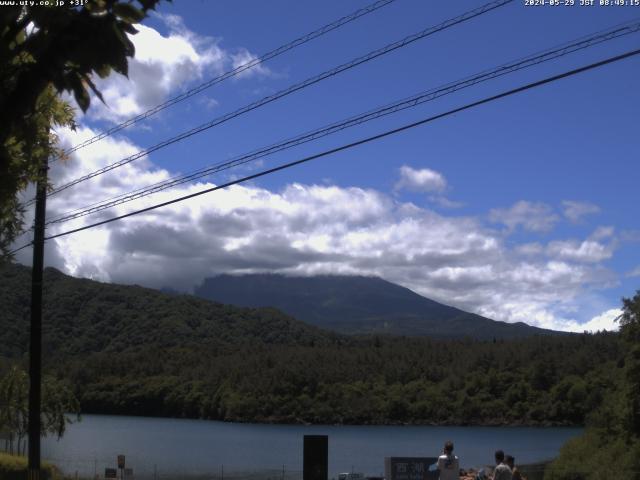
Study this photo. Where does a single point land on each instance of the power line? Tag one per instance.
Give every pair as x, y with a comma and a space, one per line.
410, 102
432, 94
13, 252
306, 83
361, 141
231, 73
354, 144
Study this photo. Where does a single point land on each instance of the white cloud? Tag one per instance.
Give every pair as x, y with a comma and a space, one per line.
174, 22
605, 321
575, 211
243, 57
531, 216
422, 180
634, 273
586, 251
162, 66
533, 248
602, 233
445, 202
208, 102
92, 158
310, 229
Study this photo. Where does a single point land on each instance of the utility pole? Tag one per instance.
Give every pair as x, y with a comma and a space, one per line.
35, 334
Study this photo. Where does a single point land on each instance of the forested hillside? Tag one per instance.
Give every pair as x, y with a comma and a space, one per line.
131, 350
376, 380
82, 316
610, 445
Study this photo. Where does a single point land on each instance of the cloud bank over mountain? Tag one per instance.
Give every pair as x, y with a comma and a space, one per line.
306, 229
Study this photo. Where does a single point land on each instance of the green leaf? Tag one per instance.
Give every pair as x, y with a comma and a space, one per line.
79, 92
103, 71
149, 4
93, 87
127, 27
128, 12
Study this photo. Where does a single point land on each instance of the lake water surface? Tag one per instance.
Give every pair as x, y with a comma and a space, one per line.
174, 447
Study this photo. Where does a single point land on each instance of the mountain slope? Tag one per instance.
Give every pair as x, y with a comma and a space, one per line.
354, 304
82, 316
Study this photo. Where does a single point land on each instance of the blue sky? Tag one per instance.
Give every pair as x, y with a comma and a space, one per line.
520, 210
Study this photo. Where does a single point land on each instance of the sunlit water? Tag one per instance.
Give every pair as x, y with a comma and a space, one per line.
174, 448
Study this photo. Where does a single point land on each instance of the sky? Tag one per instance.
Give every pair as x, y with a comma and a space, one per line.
522, 209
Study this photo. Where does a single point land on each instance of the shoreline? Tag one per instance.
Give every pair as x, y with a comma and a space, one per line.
300, 422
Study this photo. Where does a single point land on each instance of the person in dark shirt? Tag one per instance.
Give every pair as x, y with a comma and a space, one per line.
515, 473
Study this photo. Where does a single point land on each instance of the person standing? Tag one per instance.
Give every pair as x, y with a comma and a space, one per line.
515, 473
448, 463
502, 470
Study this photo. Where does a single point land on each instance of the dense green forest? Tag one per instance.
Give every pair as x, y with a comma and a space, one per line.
131, 350
82, 317
376, 380
610, 446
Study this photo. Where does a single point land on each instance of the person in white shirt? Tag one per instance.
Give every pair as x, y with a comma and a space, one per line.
448, 463
502, 470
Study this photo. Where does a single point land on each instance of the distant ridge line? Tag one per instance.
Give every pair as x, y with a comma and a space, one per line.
356, 304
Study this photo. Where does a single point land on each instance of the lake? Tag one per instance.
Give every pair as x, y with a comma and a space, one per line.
164, 448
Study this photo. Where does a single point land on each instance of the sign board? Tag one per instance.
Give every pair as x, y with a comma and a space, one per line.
120, 461
315, 457
410, 468
110, 473
128, 473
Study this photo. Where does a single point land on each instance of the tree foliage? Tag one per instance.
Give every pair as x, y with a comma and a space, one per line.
44, 51
62, 47
25, 152
417, 381
58, 400
610, 447
15, 467
630, 328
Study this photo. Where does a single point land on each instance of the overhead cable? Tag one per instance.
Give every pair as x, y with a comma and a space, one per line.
236, 71
293, 88
379, 136
418, 99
